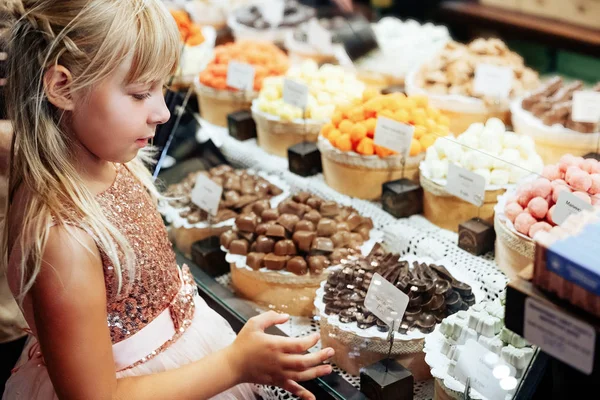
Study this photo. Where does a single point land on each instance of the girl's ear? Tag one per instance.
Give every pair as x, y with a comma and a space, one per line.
57, 85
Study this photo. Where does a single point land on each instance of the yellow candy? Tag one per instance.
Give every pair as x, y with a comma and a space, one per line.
430, 124
444, 120
420, 100
402, 115
420, 130
346, 126
427, 141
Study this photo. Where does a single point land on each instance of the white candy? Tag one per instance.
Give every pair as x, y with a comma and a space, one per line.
438, 168
447, 327
462, 314
431, 154
493, 344
470, 141
440, 147
454, 353
536, 164
511, 141
499, 177
324, 98
457, 330
485, 173
496, 125
309, 68
491, 145
518, 173
465, 161
526, 146
510, 156
447, 346
479, 160
474, 129
519, 358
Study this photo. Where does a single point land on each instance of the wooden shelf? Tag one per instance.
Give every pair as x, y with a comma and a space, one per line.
517, 25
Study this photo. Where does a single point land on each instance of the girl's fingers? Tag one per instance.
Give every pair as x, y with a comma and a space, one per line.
297, 390
305, 361
299, 345
268, 319
309, 374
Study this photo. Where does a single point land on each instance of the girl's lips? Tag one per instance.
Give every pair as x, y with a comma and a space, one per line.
142, 142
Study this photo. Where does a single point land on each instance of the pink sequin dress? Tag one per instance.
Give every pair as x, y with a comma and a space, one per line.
158, 322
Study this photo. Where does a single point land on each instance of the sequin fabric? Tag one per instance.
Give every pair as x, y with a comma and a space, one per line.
157, 284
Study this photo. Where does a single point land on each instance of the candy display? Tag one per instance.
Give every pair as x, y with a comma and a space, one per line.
353, 164
199, 43
433, 293
217, 100
280, 255
483, 323
501, 157
281, 125
213, 13
449, 81
545, 115
241, 191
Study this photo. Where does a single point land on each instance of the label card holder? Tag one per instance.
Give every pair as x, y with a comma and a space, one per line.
207, 194
394, 135
295, 93
493, 80
567, 205
386, 302
465, 185
586, 106
240, 76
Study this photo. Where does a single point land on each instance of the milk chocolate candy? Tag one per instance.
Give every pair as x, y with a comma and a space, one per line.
275, 263
248, 185
342, 226
218, 180
301, 197
262, 189
326, 227
261, 229
270, 215
233, 182
291, 207
317, 264
329, 209
249, 236
314, 202
247, 222
364, 231
245, 200
322, 244
247, 209
260, 206
313, 216
255, 260
239, 246
338, 255
264, 244
356, 237
304, 239
288, 221
231, 198
340, 239
297, 265
305, 226
285, 248
227, 238
275, 190
353, 221
276, 231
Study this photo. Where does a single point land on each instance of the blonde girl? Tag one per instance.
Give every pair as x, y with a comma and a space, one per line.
87, 257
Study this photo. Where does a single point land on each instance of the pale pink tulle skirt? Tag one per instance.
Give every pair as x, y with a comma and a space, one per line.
208, 333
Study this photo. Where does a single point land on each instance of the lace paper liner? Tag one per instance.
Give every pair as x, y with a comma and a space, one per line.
275, 125
367, 162
505, 229
438, 186
226, 95
451, 102
373, 332
243, 32
526, 123
172, 216
295, 46
240, 261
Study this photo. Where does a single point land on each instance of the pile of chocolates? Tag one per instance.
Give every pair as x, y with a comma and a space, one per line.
303, 234
293, 15
241, 191
433, 292
553, 102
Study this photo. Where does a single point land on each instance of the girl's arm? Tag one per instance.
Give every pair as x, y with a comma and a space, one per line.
69, 303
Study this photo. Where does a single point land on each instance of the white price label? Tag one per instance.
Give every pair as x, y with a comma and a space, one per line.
560, 335
490, 375
207, 194
567, 205
272, 12
586, 106
386, 301
295, 93
493, 80
465, 185
240, 76
394, 135
319, 37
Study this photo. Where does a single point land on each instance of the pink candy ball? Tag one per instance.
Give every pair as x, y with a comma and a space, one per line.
589, 165
557, 187
572, 170
567, 161
549, 216
538, 207
523, 222
595, 189
524, 194
595, 199
583, 196
551, 172
580, 181
541, 188
596, 168
512, 210
538, 227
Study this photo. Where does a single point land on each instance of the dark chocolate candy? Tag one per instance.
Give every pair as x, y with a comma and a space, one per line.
239, 246
326, 227
297, 265
255, 260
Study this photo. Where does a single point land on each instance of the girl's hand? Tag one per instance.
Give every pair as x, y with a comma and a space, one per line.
344, 5
274, 360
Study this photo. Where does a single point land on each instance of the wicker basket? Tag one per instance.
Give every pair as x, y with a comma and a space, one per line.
513, 252
216, 105
447, 211
275, 136
363, 176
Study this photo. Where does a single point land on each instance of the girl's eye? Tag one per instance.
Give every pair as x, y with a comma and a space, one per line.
142, 96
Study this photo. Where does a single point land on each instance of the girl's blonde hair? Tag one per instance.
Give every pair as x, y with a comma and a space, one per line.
91, 38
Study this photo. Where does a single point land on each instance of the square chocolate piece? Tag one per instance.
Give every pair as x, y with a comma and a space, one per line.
394, 382
241, 125
209, 257
476, 236
402, 198
595, 156
305, 159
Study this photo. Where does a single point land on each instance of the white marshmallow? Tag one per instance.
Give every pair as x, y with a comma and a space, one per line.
474, 129
485, 173
432, 154
499, 177
496, 125
510, 141
438, 168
